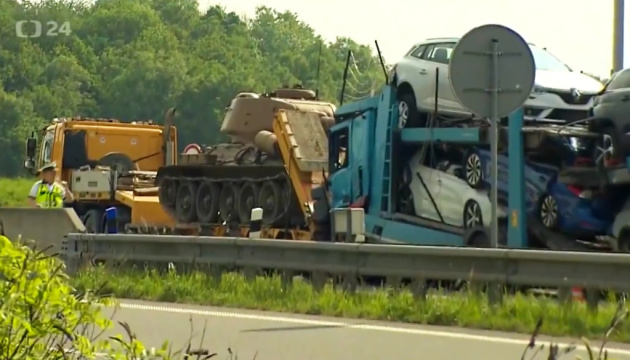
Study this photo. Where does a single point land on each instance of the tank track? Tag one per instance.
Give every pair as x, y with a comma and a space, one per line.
221, 195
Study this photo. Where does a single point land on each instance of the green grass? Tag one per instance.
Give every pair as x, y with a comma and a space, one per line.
518, 313
14, 191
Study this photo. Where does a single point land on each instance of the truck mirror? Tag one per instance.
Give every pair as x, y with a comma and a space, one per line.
31, 147
29, 164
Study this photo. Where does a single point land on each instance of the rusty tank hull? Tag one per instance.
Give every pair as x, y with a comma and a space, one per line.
225, 182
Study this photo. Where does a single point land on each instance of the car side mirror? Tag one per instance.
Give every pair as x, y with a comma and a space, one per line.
459, 172
31, 147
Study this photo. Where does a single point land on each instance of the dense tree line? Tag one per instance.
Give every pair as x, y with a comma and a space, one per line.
133, 59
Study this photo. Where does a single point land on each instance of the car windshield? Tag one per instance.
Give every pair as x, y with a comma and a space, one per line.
545, 61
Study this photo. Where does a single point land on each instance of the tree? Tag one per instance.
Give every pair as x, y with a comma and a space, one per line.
132, 59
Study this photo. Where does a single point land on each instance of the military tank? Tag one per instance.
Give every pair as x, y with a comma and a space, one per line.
224, 182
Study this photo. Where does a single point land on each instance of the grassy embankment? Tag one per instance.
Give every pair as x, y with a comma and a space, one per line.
13, 192
518, 313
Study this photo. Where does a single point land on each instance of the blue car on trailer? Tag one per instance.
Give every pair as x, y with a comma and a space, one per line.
571, 209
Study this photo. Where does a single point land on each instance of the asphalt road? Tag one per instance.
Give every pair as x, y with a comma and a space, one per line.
278, 336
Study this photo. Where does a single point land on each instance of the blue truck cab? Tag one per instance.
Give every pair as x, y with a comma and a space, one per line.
364, 155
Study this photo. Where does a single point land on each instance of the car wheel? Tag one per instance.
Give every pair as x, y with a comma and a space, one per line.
610, 149
472, 214
548, 212
407, 111
473, 170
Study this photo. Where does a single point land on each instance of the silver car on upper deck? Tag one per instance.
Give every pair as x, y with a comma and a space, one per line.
560, 94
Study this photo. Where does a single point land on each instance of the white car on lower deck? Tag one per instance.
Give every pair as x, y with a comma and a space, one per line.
559, 95
440, 194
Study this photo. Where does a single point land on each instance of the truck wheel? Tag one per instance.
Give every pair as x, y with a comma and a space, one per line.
624, 240
93, 221
479, 239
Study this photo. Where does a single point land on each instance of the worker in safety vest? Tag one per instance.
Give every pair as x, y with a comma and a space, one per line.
48, 192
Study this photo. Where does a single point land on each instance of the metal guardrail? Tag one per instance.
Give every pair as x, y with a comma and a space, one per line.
594, 271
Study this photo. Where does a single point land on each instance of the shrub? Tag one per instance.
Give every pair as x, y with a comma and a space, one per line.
42, 317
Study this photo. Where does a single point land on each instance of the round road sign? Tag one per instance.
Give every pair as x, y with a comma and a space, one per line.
192, 149
472, 68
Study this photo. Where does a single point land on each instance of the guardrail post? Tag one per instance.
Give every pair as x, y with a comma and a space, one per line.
318, 280
250, 273
69, 256
565, 294
495, 293
418, 288
287, 278
349, 282
255, 223
393, 282
592, 297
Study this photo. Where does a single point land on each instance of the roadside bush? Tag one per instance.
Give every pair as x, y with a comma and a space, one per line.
41, 316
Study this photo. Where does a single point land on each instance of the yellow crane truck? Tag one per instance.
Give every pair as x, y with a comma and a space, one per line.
108, 164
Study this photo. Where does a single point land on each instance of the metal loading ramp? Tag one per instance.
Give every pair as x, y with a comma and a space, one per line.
307, 139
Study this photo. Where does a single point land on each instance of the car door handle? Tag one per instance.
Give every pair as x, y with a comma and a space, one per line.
423, 71
625, 98
439, 182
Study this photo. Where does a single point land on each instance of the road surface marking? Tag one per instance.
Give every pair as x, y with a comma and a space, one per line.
390, 329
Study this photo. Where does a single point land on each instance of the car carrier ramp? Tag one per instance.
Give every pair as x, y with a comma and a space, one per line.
305, 138
303, 145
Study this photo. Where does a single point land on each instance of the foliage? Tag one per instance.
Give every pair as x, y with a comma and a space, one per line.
555, 352
133, 59
42, 317
517, 313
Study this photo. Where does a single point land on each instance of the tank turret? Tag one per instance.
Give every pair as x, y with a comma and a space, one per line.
249, 113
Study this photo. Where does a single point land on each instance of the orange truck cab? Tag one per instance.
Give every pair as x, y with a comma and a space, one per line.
107, 164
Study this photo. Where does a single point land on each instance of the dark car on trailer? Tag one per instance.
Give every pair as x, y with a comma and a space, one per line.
610, 116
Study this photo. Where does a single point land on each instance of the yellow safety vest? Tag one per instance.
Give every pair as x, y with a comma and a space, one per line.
49, 198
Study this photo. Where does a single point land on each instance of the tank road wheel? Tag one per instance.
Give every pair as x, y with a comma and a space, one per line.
185, 207
227, 202
208, 202
270, 199
167, 193
247, 200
